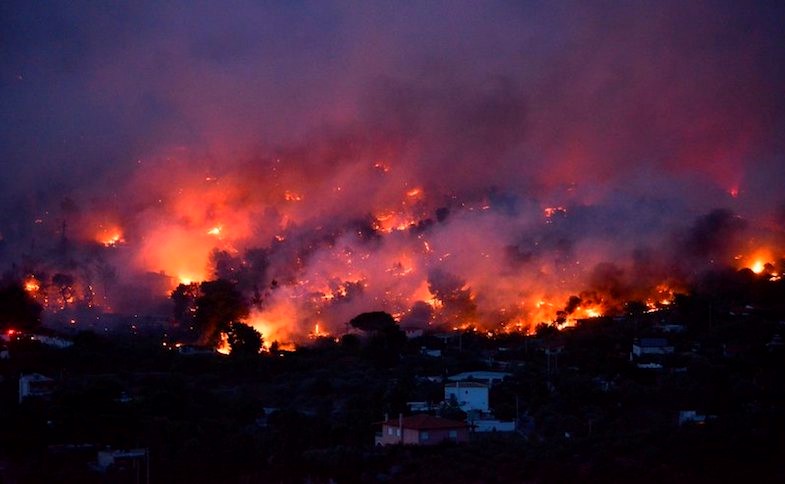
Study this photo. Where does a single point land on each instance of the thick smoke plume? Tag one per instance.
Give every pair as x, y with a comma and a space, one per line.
487, 164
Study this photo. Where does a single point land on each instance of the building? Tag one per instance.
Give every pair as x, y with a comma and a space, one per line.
422, 429
35, 385
492, 425
487, 377
650, 347
469, 395
135, 461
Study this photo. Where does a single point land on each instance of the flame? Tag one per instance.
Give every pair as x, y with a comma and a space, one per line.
32, 284
757, 260
414, 193
290, 196
215, 231
110, 236
223, 345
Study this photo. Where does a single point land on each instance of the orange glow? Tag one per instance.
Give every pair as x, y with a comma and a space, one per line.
32, 284
110, 236
757, 260
215, 230
414, 193
290, 196
223, 346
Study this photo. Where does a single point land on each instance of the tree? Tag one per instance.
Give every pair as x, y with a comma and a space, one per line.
219, 303
376, 321
18, 310
209, 308
65, 286
184, 297
244, 339
385, 341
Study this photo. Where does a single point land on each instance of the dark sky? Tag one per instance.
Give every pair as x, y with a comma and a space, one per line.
89, 87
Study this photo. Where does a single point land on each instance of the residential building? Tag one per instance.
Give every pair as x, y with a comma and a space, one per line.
469, 395
34, 385
650, 347
488, 377
422, 429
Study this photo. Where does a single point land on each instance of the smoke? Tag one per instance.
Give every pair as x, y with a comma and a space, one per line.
488, 164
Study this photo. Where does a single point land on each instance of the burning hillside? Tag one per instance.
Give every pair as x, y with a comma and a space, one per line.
521, 178
492, 259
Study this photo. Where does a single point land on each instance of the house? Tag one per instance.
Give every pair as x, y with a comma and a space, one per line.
488, 377
650, 347
433, 353
691, 417
53, 341
412, 332
121, 459
192, 350
492, 425
469, 395
34, 385
422, 429
418, 406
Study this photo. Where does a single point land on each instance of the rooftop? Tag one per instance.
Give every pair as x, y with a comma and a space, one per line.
424, 421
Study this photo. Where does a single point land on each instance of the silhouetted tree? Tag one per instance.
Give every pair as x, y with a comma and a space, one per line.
65, 286
385, 341
244, 339
184, 297
219, 303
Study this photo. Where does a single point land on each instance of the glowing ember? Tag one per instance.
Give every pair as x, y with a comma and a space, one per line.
32, 284
290, 196
215, 230
414, 193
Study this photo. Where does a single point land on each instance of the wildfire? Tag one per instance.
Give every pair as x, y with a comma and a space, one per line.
414, 193
758, 261
551, 212
758, 266
223, 345
110, 237
32, 284
290, 196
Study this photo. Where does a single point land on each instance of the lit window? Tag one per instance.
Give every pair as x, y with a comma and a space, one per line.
424, 436
389, 431
453, 434
398, 432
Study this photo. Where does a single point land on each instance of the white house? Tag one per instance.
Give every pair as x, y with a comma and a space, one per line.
52, 341
469, 395
34, 385
492, 425
121, 458
650, 347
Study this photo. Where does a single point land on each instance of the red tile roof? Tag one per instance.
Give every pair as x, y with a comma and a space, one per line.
425, 422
